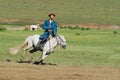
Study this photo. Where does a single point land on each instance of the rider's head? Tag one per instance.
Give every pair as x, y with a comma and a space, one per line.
52, 15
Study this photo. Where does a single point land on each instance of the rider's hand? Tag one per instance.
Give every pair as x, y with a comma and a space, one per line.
50, 30
50, 36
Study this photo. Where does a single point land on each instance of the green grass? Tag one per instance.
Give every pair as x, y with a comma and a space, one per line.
85, 47
89, 48
68, 11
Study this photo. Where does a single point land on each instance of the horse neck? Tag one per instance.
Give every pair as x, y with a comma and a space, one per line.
58, 40
55, 41
52, 42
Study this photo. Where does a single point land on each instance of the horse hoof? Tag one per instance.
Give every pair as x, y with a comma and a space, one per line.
20, 61
36, 62
29, 61
8, 60
41, 63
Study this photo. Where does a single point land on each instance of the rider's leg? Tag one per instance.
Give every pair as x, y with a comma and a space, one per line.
38, 44
41, 42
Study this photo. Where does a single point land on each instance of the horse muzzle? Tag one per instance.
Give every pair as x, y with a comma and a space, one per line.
64, 46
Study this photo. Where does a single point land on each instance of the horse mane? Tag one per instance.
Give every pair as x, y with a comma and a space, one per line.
62, 37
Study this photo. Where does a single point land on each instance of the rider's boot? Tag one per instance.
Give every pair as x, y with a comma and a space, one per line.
38, 44
39, 41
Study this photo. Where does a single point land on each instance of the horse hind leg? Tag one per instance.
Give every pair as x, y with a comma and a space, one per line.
23, 55
25, 50
31, 53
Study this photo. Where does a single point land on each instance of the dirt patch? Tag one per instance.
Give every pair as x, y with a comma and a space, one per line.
8, 20
62, 25
16, 28
15, 71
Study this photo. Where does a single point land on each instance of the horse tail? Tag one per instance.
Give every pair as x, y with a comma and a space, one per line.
16, 49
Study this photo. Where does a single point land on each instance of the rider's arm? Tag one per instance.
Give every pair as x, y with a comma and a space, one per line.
55, 29
44, 26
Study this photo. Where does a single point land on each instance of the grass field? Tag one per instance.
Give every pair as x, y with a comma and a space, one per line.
90, 54
68, 11
84, 47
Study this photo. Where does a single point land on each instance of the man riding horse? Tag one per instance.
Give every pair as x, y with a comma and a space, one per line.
50, 27
42, 42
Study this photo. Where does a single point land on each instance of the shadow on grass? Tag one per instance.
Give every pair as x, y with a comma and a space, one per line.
36, 63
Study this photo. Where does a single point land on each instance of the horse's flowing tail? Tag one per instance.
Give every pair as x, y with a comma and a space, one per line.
16, 49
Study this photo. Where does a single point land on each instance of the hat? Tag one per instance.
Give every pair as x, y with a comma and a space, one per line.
51, 14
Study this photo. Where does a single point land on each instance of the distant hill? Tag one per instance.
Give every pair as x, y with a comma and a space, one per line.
67, 11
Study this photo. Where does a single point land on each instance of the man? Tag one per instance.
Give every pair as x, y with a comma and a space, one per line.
50, 27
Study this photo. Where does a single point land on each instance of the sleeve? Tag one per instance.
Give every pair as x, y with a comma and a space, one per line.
44, 26
55, 29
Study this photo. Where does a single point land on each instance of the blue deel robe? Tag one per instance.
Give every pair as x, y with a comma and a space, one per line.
48, 26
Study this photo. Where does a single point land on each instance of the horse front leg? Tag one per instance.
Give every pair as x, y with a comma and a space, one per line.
44, 55
40, 61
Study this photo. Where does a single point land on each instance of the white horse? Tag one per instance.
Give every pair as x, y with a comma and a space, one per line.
32, 41
32, 27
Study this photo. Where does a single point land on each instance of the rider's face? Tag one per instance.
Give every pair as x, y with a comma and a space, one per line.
52, 17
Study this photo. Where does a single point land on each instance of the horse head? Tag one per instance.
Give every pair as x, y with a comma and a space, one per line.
62, 41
